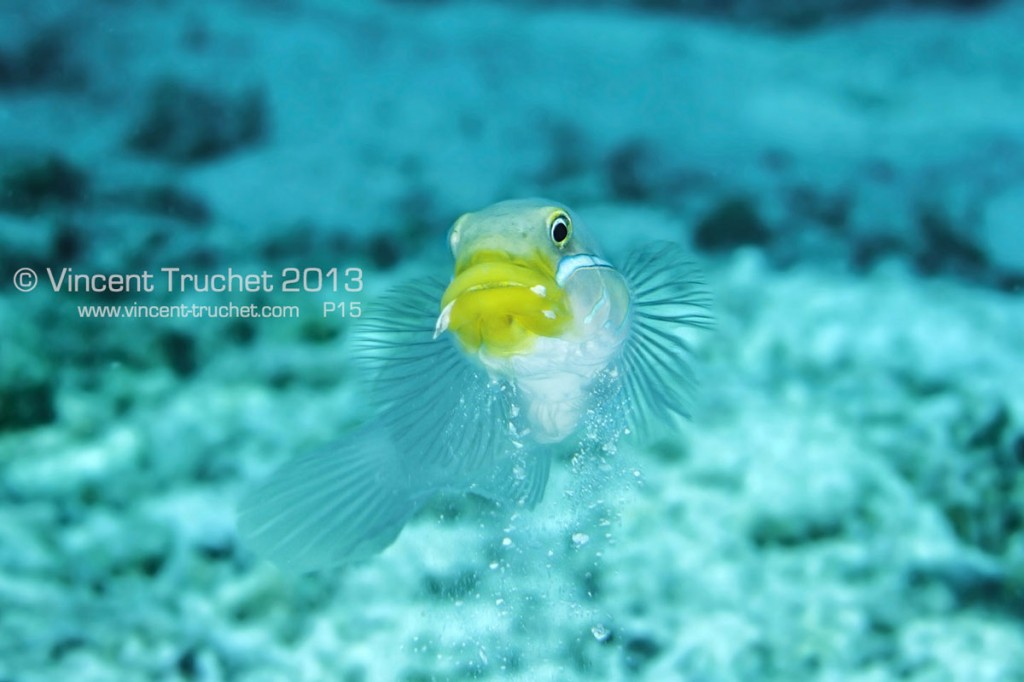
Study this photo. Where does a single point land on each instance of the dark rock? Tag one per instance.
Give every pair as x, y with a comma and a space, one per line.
319, 330
638, 652
989, 433
455, 586
978, 489
971, 582
631, 171
180, 350
35, 183
26, 405
66, 244
217, 551
188, 663
384, 251
185, 123
733, 223
65, 645
788, 533
241, 331
828, 210
945, 249
46, 60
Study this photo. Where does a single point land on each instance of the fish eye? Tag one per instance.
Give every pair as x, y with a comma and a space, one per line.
560, 228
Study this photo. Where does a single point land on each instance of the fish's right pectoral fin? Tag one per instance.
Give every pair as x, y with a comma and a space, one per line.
445, 414
339, 504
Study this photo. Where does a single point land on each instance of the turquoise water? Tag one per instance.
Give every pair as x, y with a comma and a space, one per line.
199, 202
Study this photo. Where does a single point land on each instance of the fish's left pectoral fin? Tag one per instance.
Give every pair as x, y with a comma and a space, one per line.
669, 302
519, 480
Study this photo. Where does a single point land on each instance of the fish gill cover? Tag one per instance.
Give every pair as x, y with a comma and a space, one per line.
202, 207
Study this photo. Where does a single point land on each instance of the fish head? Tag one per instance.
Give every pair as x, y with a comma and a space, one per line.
526, 270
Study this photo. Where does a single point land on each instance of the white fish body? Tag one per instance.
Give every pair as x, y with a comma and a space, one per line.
535, 339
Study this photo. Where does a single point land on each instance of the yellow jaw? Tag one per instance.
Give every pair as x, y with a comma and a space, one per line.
500, 306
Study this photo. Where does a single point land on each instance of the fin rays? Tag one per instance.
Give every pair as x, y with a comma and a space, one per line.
436, 403
336, 504
668, 297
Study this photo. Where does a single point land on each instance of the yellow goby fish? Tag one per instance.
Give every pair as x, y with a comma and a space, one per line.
535, 340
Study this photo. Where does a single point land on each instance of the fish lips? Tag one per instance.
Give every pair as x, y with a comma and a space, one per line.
501, 304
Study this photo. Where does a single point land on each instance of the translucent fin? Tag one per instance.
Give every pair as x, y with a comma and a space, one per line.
520, 480
655, 369
439, 407
442, 424
339, 504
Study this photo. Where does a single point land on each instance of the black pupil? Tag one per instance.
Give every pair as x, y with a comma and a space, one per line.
559, 231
